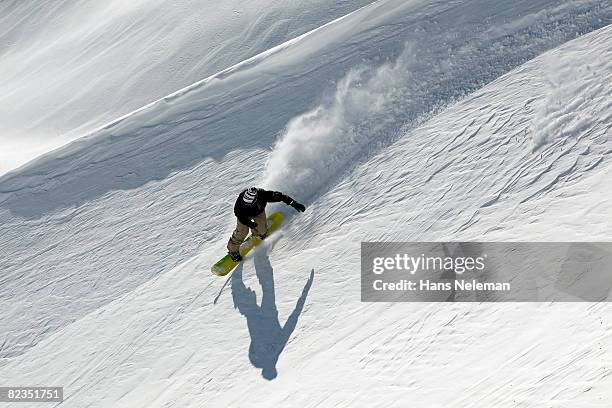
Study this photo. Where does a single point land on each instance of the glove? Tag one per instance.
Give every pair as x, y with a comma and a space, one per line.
297, 206
251, 224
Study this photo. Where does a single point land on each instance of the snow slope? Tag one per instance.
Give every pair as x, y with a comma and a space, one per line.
106, 287
69, 67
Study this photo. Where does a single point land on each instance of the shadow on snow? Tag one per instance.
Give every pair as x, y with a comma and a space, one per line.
268, 337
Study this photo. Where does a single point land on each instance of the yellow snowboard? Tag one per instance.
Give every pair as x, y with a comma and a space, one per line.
226, 265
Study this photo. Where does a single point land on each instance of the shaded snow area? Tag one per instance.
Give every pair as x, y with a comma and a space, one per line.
396, 121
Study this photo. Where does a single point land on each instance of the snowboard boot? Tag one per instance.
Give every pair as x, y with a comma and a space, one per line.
236, 257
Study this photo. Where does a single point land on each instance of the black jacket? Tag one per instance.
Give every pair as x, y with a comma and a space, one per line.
245, 212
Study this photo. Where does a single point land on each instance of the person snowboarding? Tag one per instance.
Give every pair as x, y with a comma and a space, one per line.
250, 211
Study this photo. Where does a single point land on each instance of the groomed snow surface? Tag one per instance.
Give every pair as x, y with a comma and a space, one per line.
402, 120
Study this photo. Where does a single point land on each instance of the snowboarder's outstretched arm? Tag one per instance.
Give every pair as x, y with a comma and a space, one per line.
276, 196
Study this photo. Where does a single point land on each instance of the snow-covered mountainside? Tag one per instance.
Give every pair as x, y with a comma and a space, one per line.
69, 66
403, 120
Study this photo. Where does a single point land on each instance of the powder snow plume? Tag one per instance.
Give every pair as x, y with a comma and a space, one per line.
318, 144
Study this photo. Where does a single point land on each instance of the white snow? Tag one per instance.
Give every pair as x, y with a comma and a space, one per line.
420, 120
69, 67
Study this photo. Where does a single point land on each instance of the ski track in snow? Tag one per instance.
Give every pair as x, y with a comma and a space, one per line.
107, 243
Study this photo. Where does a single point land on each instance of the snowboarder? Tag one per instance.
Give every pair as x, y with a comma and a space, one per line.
250, 210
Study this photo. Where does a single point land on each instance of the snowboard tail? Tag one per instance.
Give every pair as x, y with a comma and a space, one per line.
225, 265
